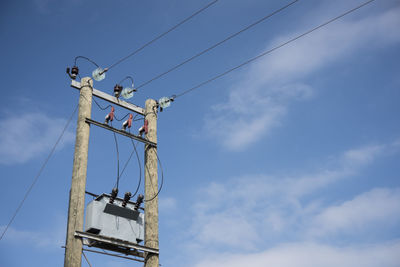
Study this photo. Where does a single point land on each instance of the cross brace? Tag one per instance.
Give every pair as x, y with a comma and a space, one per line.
111, 99
112, 254
121, 132
115, 242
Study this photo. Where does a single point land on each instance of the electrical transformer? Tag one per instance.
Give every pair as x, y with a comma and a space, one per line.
114, 220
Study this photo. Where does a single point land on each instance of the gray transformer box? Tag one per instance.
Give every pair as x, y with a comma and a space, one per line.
113, 220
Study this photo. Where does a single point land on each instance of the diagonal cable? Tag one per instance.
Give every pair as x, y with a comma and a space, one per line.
274, 48
217, 44
39, 173
161, 35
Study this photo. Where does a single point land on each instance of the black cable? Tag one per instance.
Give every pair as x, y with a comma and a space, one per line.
115, 117
116, 146
40, 172
102, 108
139, 162
162, 179
108, 106
126, 165
140, 119
127, 77
88, 59
215, 45
140, 169
273, 49
163, 34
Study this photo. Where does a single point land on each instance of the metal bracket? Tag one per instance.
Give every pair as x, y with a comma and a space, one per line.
121, 132
114, 255
111, 99
116, 242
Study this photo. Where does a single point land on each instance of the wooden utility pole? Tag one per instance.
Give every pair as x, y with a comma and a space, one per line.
151, 185
73, 251
74, 245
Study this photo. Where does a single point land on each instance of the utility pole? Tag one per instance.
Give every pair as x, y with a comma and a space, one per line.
75, 235
151, 185
73, 251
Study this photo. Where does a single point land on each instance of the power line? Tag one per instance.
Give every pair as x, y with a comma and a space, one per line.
39, 173
217, 44
163, 34
273, 49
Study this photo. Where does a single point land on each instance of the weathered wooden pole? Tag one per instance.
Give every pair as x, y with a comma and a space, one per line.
73, 251
151, 185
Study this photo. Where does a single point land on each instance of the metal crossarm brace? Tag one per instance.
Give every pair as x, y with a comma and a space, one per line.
111, 99
114, 255
116, 242
121, 132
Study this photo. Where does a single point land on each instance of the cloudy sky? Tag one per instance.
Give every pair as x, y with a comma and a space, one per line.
292, 160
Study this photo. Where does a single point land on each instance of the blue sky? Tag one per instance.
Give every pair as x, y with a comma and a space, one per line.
290, 161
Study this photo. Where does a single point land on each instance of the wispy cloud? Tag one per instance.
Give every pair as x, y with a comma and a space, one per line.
253, 211
257, 104
368, 210
52, 238
167, 204
312, 254
28, 135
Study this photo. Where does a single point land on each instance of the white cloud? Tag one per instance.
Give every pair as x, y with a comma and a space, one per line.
167, 204
231, 228
363, 155
257, 104
368, 210
27, 136
313, 254
250, 211
50, 239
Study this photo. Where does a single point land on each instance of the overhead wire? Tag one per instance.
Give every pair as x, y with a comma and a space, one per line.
161, 35
39, 173
274, 48
217, 44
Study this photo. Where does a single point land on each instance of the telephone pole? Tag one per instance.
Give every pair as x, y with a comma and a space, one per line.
151, 185
73, 251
